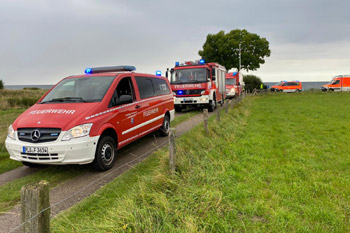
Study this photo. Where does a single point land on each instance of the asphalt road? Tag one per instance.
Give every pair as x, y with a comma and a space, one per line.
76, 189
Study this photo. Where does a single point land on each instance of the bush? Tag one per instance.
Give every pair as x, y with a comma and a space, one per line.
251, 82
1, 84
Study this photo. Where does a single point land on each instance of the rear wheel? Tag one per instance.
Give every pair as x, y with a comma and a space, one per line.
164, 130
105, 154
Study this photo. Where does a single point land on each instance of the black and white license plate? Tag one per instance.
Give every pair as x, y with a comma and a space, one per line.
35, 150
188, 99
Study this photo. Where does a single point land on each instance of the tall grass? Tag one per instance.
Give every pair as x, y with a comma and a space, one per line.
12, 104
277, 163
10, 99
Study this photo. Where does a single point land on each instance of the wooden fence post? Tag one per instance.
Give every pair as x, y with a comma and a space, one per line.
218, 113
226, 106
35, 212
233, 102
205, 116
172, 150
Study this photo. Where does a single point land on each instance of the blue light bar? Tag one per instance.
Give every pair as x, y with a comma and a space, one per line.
201, 61
159, 73
177, 63
88, 71
180, 92
109, 69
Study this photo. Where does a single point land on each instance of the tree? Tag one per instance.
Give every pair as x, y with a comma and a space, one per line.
1, 84
251, 82
224, 49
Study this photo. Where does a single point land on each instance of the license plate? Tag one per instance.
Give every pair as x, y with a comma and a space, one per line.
35, 150
188, 99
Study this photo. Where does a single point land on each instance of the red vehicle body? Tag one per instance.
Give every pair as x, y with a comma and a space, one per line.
198, 84
86, 118
234, 84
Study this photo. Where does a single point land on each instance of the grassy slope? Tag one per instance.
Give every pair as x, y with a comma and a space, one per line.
277, 163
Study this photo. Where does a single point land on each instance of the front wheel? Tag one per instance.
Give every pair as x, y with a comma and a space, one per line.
164, 130
105, 154
212, 105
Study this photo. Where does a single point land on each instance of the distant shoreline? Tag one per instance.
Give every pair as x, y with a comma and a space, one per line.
20, 87
306, 85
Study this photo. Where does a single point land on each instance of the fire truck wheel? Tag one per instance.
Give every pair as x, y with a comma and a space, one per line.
178, 109
212, 105
164, 130
105, 154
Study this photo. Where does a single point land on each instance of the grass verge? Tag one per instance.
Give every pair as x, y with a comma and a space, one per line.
277, 163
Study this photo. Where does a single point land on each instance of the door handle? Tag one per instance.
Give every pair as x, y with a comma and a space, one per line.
138, 106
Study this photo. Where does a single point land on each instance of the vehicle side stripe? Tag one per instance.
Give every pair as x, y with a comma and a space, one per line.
140, 134
143, 124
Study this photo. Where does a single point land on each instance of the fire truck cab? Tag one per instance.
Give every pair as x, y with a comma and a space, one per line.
198, 84
86, 118
234, 84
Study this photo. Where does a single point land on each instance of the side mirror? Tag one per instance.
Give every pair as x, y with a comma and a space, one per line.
124, 99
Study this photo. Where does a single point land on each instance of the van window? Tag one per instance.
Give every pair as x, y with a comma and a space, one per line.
125, 88
161, 87
145, 86
336, 82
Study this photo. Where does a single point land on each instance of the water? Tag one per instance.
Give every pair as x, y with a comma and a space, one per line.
20, 87
306, 85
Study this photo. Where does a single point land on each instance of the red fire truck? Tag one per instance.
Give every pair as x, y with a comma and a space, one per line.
234, 84
198, 84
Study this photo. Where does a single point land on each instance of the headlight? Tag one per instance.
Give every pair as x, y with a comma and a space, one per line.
11, 133
77, 132
203, 92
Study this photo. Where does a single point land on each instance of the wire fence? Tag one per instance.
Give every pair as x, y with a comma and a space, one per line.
157, 144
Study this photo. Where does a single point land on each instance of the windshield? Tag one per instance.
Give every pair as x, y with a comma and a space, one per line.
279, 84
230, 81
86, 89
189, 76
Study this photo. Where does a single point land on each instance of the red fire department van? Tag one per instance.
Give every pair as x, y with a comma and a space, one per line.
198, 84
338, 83
86, 118
234, 84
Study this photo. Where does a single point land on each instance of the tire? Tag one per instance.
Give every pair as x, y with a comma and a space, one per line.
178, 109
164, 130
105, 154
212, 105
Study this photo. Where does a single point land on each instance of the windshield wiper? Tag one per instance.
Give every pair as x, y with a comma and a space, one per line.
65, 99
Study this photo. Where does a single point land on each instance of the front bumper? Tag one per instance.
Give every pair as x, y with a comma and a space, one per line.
196, 100
76, 151
230, 94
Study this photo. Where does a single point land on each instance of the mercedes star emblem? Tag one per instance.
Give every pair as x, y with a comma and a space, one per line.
35, 135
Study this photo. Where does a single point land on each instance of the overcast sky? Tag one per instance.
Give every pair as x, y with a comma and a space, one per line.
42, 41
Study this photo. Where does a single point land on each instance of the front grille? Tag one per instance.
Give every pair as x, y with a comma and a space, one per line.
46, 134
190, 92
40, 156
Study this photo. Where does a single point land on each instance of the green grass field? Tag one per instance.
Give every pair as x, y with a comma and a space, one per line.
277, 163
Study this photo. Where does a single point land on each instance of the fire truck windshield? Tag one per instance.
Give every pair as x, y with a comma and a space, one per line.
181, 76
86, 89
230, 81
